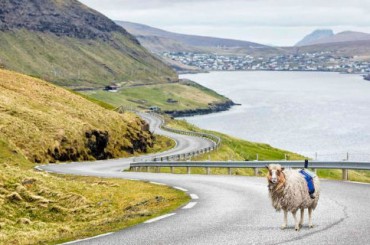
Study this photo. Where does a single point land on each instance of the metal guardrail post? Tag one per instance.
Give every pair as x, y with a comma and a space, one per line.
188, 170
172, 170
345, 174
255, 171
229, 171
208, 170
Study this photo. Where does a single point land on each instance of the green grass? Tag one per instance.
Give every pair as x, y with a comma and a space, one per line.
79, 63
188, 95
41, 208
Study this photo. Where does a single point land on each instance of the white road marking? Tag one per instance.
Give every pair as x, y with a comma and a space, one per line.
190, 205
355, 182
156, 183
133, 179
90, 238
159, 218
179, 188
194, 196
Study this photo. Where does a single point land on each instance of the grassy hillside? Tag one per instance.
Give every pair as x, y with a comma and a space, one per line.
72, 45
47, 123
80, 63
188, 95
39, 208
40, 122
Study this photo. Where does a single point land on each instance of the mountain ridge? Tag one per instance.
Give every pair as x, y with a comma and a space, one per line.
341, 37
69, 44
44, 16
315, 36
159, 41
137, 29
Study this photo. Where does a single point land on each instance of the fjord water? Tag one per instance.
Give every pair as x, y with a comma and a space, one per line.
304, 112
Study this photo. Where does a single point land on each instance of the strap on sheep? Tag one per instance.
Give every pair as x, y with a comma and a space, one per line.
309, 179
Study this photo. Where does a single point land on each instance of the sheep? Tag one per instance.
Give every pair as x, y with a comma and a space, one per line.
289, 192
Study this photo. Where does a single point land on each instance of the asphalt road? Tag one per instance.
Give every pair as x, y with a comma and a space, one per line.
234, 209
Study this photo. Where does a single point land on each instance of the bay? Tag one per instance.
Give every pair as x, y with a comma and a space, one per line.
312, 113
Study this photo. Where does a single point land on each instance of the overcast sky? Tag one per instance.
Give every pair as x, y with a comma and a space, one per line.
274, 22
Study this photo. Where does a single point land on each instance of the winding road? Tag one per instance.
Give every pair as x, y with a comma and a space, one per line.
231, 209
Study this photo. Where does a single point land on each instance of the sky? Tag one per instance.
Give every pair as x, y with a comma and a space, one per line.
272, 22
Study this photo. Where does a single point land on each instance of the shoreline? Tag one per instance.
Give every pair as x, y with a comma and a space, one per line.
303, 71
219, 107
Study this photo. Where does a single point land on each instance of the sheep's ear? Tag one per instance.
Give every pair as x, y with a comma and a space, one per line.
282, 168
267, 166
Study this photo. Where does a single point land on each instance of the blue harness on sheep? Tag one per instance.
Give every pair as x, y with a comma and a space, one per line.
309, 179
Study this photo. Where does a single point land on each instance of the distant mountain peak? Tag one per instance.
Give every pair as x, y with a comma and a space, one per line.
315, 36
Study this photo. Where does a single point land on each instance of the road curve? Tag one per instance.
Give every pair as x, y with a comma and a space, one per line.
234, 209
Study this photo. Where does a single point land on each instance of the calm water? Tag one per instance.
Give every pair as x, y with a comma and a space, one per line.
305, 112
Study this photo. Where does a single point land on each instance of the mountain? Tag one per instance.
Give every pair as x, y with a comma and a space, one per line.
315, 36
157, 40
72, 45
344, 44
47, 123
346, 36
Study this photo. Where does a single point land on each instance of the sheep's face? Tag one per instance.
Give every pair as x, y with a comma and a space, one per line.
275, 174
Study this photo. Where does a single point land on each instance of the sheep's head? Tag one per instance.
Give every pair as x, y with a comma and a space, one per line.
275, 174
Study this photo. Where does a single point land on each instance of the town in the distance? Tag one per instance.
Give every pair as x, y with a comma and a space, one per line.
321, 50
316, 61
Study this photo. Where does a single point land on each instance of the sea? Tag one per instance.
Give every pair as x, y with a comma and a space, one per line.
322, 115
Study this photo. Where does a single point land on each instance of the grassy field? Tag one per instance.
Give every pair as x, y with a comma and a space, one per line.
188, 95
81, 63
40, 208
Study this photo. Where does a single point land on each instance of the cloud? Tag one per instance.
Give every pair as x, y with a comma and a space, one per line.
216, 17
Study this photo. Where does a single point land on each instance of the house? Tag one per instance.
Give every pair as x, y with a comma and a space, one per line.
111, 88
154, 108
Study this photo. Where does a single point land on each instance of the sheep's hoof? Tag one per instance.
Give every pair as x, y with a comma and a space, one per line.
283, 227
310, 226
297, 228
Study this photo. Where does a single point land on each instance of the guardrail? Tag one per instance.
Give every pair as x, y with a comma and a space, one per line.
344, 166
175, 157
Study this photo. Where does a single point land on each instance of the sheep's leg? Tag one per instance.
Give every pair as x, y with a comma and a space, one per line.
302, 218
310, 218
295, 220
285, 220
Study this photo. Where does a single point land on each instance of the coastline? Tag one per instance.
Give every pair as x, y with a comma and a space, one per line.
213, 108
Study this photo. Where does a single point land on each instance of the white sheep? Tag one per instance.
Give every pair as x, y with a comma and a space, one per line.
289, 192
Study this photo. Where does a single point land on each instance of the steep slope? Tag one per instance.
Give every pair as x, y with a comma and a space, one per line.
73, 45
47, 123
158, 40
314, 37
